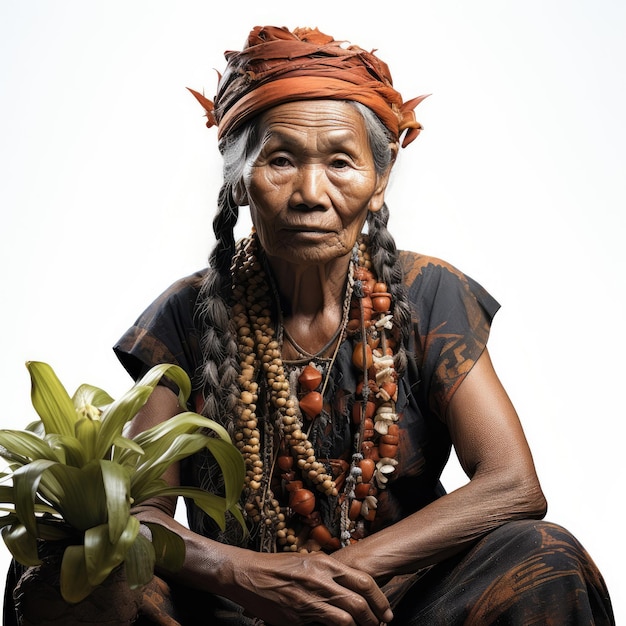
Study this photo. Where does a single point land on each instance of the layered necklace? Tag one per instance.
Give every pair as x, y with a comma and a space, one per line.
297, 501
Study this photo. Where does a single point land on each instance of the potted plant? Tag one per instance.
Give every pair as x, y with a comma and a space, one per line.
73, 477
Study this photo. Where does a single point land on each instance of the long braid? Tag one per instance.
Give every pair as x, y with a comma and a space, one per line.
221, 361
385, 259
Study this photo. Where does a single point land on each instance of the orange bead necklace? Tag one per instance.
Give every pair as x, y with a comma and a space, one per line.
284, 479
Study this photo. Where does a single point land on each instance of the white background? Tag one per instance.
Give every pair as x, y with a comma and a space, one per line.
108, 180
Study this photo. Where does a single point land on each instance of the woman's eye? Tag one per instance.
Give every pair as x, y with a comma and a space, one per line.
280, 161
340, 164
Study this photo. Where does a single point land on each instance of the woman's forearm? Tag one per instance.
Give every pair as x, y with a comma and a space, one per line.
446, 526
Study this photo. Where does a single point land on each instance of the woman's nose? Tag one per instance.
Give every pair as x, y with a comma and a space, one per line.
310, 189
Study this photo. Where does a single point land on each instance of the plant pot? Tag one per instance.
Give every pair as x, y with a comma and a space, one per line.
38, 599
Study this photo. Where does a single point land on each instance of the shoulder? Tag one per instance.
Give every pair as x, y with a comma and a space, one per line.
186, 288
179, 298
445, 302
166, 331
430, 278
417, 266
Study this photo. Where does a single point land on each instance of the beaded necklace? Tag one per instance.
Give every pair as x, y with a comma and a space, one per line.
286, 486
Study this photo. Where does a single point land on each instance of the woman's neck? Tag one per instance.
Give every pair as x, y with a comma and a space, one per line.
312, 300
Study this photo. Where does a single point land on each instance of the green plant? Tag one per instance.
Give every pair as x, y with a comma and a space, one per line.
73, 478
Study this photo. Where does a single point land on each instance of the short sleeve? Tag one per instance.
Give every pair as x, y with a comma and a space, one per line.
165, 332
452, 317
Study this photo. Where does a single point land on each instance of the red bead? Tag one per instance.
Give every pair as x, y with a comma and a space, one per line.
355, 509
310, 378
311, 404
381, 302
285, 462
302, 501
391, 389
367, 469
320, 534
357, 411
362, 490
393, 440
358, 354
387, 450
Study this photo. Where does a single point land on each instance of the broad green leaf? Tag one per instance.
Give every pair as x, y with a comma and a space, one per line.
37, 428
232, 466
152, 467
86, 431
227, 456
102, 556
75, 585
7, 494
175, 373
212, 504
77, 493
57, 531
115, 417
68, 449
87, 396
117, 489
169, 547
186, 422
21, 544
235, 511
50, 399
52, 491
24, 444
26, 481
139, 562
126, 451
125, 408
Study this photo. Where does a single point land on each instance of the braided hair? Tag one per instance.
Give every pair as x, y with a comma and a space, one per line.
220, 365
383, 251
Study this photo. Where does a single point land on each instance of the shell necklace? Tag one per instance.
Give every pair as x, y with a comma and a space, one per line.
285, 481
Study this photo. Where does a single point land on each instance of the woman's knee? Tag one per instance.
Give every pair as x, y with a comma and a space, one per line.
550, 540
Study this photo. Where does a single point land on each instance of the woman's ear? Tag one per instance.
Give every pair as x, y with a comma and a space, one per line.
240, 194
378, 197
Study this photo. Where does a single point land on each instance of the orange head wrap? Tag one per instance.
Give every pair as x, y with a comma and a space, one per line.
278, 66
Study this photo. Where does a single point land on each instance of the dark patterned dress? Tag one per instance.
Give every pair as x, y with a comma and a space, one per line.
524, 572
451, 317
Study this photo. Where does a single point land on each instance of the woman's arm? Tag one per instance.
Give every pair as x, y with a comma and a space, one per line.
493, 451
282, 588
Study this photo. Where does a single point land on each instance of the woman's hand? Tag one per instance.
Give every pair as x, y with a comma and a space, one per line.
283, 588
289, 589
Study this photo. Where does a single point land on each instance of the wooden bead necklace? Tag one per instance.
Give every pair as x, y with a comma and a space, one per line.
284, 479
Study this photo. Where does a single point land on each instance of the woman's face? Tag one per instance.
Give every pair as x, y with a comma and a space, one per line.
313, 182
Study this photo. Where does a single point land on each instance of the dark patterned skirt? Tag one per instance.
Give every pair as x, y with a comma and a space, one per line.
523, 573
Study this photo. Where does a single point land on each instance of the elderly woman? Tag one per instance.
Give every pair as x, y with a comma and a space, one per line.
345, 370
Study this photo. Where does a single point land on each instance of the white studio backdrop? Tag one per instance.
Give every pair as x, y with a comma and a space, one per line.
108, 182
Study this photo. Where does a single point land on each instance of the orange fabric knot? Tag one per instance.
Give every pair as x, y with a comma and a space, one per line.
408, 121
207, 105
277, 66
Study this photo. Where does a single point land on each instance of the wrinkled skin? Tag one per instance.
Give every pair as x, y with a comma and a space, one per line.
309, 192
311, 186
